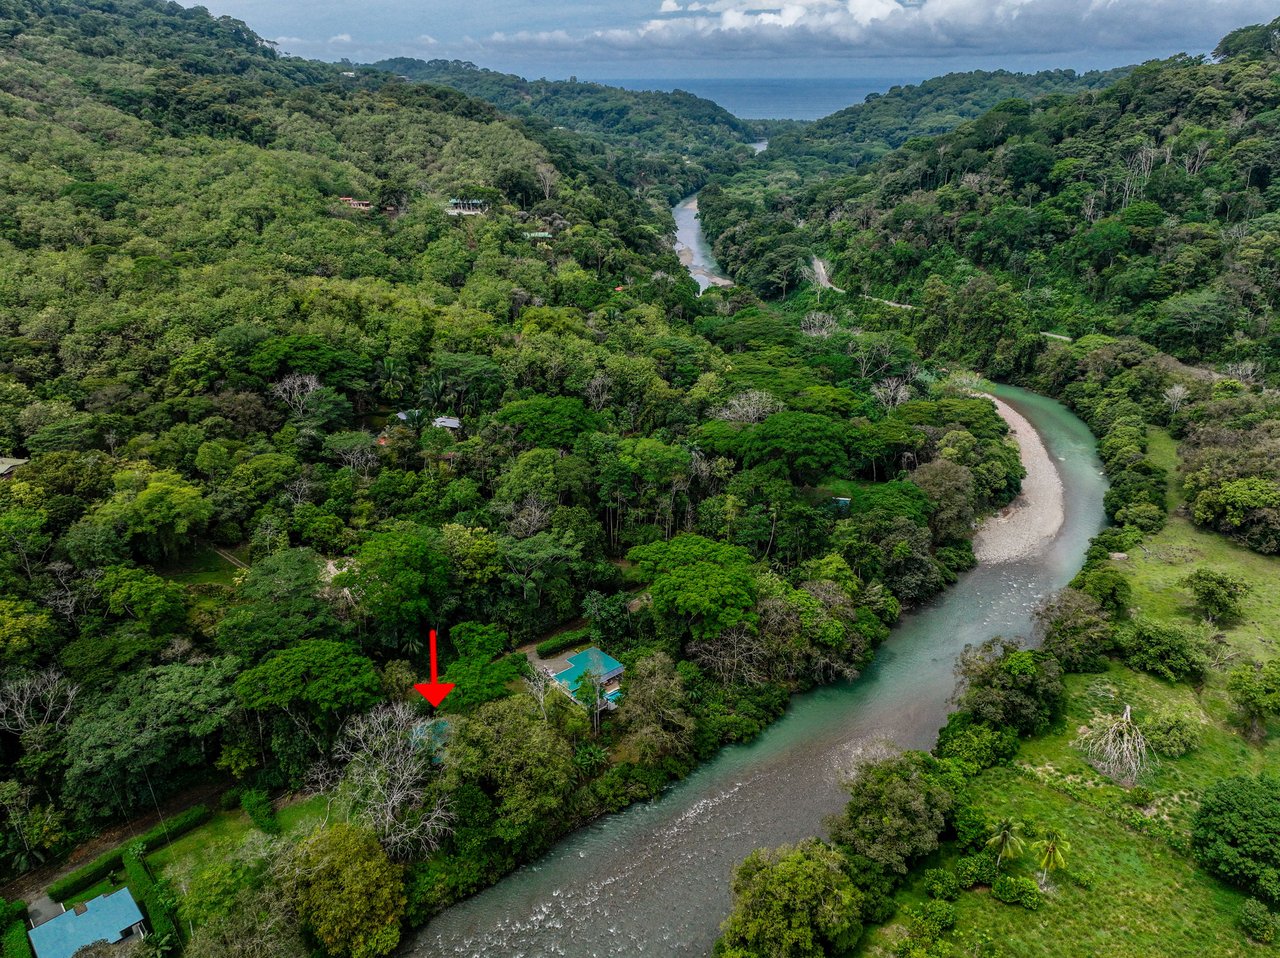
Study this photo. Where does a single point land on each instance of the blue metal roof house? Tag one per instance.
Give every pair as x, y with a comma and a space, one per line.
605, 666
110, 918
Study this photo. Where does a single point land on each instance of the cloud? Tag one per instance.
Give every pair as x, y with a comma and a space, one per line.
900, 28
341, 38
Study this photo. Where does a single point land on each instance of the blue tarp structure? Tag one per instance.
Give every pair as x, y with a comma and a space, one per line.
107, 917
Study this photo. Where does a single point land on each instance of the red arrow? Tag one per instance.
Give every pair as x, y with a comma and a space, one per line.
435, 690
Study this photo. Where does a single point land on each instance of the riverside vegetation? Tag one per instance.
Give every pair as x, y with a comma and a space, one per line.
1115, 773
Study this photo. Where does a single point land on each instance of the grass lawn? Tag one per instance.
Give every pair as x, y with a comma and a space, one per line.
104, 887
205, 566
1148, 897
226, 829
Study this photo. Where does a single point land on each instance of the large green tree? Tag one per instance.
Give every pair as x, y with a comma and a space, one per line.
346, 891
792, 902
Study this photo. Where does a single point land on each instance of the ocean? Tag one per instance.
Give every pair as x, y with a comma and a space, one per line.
774, 99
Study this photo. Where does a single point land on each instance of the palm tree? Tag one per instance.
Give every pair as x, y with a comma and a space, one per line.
1052, 849
1007, 840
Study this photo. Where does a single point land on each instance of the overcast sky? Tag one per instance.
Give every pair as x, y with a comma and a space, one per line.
748, 38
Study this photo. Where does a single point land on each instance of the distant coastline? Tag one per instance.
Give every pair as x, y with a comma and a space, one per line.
774, 99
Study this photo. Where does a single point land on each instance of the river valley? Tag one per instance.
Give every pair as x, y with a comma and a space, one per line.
654, 880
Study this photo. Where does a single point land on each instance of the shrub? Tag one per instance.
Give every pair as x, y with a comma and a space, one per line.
1163, 649
257, 805
931, 920
83, 877
941, 883
971, 827
1140, 796
974, 870
975, 743
1081, 878
1172, 733
1235, 834
1218, 594
1017, 891
1006, 686
180, 824
230, 799
1258, 922
1076, 630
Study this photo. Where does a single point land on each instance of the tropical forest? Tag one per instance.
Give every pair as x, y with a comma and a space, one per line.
450, 513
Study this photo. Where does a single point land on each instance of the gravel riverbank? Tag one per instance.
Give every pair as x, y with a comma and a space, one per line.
1022, 527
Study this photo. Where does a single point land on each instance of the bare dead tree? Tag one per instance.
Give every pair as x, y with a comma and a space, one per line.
597, 391
70, 595
810, 275
359, 455
1175, 396
1117, 748
1138, 167
294, 389
540, 685
737, 656
36, 701
818, 324
532, 516
752, 406
1193, 162
548, 176
298, 490
872, 357
1090, 208
892, 392
385, 763
1248, 371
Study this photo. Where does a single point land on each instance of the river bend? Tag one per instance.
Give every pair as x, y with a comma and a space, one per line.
654, 880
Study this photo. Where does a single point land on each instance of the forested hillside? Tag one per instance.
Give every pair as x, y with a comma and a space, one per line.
646, 119
1140, 208
866, 131
269, 412
669, 141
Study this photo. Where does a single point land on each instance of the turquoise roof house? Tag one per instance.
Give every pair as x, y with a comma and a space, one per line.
605, 666
109, 918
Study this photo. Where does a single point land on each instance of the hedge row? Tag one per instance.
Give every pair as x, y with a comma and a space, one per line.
102, 866
147, 894
559, 643
15, 943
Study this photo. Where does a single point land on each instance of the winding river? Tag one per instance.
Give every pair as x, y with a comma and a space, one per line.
692, 246
654, 880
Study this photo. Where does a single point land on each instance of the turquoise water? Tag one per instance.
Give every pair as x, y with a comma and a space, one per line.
654, 880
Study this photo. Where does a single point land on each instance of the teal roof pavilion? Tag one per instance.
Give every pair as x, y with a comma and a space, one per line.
589, 660
107, 917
